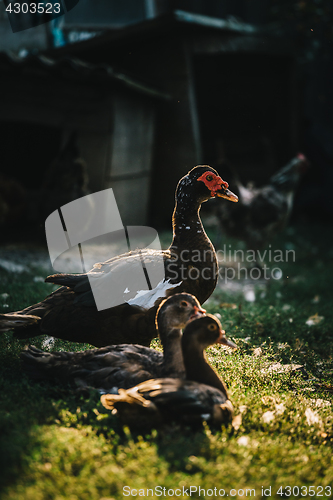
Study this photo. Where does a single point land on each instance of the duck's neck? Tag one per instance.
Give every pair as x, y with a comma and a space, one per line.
188, 232
198, 370
173, 363
196, 261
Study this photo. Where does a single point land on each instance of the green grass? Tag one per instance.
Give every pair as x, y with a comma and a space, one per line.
57, 445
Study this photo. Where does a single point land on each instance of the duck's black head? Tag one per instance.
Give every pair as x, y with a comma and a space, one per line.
200, 184
205, 331
176, 311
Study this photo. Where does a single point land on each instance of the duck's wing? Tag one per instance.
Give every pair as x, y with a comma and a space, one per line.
124, 366
136, 406
185, 401
166, 400
117, 366
137, 278
63, 318
70, 312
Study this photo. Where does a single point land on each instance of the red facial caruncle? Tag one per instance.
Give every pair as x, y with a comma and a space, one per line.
213, 182
303, 163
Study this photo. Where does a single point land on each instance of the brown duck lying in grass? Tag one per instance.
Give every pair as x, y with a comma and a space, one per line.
190, 264
121, 365
202, 396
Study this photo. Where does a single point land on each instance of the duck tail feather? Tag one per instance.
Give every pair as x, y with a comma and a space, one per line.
12, 321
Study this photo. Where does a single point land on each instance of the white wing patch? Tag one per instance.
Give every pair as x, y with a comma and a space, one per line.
147, 298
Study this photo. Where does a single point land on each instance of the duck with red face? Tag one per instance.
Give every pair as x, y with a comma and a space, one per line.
190, 264
217, 186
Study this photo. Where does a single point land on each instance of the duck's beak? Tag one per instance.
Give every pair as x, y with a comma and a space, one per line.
226, 194
198, 312
223, 340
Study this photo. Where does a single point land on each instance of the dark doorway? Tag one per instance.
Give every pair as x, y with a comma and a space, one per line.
27, 150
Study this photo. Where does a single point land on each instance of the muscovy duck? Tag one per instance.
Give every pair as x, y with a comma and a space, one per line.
122, 365
202, 396
262, 212
190, 264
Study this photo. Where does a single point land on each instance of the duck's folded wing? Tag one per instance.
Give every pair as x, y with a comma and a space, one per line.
103, 369
123, 368
170, 400
187, 401
137, 276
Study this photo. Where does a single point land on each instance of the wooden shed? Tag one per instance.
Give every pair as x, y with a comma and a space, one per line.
234, 92
43, 101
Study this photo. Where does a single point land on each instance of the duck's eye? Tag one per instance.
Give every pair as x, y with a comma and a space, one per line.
209, 178
212, 327
184, 303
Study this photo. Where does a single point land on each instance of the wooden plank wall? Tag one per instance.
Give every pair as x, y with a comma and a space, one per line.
115, 130
129, 164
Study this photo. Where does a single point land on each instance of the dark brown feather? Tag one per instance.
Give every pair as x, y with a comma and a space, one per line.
119, 366
161, 401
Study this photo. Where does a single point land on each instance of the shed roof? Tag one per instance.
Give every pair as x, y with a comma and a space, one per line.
73, 68
179, 17
171, 24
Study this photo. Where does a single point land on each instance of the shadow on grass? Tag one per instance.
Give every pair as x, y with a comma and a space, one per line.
22, 408
27, 407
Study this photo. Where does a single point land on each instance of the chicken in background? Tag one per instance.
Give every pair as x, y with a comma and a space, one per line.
262, 212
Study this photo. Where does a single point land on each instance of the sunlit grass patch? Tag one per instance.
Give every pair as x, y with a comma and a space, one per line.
56, 444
